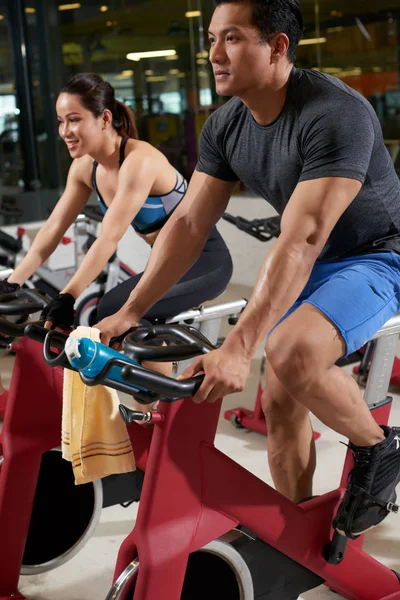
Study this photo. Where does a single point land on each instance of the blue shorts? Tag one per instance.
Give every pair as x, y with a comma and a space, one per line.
357, 294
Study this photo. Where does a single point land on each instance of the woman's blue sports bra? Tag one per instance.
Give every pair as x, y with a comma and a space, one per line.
156, 211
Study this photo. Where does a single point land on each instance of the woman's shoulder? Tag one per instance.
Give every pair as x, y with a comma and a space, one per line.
139, 148
142, 149
137, 151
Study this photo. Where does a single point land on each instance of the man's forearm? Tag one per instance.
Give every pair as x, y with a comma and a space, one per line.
283, 277
176, 249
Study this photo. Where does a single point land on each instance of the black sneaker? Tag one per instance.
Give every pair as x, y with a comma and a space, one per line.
371, 493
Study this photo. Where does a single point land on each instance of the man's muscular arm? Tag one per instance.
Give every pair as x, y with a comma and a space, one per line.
312, 212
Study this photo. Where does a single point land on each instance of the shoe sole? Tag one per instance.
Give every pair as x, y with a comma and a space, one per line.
357, 535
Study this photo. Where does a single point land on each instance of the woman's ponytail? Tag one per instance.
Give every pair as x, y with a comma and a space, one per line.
125, 125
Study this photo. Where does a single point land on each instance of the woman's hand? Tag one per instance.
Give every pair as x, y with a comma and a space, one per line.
8, 288
59, 312
116, 326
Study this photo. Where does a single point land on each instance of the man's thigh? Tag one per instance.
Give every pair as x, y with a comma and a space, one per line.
308, 339
357, 299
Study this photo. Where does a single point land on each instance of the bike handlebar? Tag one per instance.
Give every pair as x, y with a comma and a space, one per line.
167, 387
24, 302
93, 213
191, 343
21, 303
262, 229
175, 342
158, 386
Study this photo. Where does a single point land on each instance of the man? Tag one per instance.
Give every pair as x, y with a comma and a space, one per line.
313, 148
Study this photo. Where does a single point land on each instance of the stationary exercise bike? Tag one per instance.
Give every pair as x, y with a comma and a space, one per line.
206, 527
45, 518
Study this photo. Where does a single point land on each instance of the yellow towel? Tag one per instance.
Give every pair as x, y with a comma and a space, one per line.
94, 436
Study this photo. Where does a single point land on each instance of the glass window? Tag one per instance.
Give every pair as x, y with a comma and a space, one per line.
11, 165
154, 53
43, 43
358, 42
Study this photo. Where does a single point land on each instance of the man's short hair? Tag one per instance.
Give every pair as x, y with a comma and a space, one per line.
276, 16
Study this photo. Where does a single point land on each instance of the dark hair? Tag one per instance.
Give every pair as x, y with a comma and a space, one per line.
276, 16
97, 96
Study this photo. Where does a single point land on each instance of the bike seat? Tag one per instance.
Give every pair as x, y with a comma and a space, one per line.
168, 316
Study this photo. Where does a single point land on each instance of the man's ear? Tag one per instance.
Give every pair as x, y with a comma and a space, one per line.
279, 44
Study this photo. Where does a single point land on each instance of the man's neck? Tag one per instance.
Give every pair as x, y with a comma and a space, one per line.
266, 102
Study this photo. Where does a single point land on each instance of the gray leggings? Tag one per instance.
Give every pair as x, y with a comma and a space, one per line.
207, 279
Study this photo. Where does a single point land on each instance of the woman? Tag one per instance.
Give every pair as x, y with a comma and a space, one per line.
135, 185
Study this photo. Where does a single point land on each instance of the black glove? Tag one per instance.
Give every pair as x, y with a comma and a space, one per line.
8, 288
60, 311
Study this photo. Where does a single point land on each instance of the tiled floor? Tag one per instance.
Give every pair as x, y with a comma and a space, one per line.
88, 575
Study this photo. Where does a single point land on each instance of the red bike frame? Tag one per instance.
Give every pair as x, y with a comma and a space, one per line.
192, 494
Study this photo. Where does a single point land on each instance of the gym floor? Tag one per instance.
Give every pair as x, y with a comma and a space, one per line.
88, 575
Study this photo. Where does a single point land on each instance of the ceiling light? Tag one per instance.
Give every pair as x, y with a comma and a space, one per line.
152, 54
203, 54
174, 71
127, 73
174, 57
193, 13
156, 78
109, 23
1, 17
201, 61
149, 72
104, 8
122, 76
30, 10
309, 41
69, 6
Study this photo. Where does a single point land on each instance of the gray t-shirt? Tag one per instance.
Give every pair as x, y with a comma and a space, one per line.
326, 129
